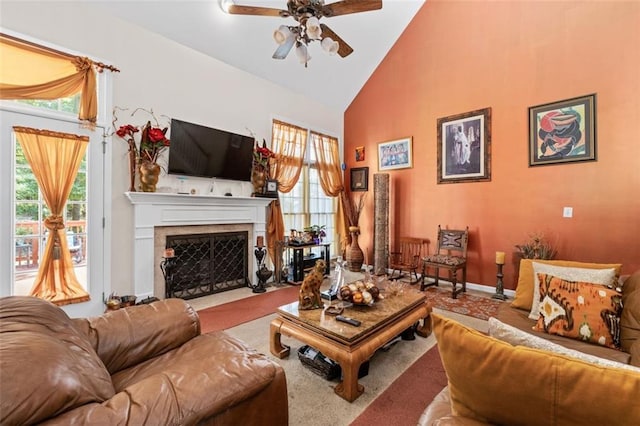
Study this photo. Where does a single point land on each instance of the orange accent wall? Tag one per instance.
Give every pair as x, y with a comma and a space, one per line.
460, 56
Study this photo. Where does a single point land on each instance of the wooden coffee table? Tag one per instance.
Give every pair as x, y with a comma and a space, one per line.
348, 345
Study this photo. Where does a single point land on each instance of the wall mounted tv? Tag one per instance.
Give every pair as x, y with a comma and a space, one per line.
205, 152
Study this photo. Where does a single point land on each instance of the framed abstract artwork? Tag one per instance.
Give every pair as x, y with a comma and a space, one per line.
359, 179
396, 154
563, 131
464, 147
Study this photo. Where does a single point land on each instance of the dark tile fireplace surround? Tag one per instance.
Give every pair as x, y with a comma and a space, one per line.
205, 264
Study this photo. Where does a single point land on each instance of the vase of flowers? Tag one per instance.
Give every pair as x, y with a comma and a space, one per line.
144, 153
260, 171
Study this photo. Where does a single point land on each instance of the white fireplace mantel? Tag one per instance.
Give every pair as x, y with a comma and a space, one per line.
162, 209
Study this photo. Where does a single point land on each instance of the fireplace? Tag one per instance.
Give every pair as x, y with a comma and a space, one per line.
158, 215
207, 263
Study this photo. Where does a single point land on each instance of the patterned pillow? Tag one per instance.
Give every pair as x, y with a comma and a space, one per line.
595, 276
579, 310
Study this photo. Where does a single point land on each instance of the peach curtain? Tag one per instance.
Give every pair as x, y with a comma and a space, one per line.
30, 71
327, 153
55, 158
289, 143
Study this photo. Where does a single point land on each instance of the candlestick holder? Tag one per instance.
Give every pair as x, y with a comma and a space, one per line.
168, 267
262, 273
499, 285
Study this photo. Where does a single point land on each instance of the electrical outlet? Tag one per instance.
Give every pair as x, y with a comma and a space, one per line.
567, 212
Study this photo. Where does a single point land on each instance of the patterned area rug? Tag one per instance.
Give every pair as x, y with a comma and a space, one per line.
466, 304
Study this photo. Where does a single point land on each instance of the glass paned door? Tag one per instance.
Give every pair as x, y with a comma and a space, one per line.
23, 203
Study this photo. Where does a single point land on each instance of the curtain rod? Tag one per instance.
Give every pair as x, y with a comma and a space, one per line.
101, 66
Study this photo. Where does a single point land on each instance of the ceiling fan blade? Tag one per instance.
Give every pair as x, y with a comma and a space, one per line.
343, 48
255, 10
283, 50
345, 7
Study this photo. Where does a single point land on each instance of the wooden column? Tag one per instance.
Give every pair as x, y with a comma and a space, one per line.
381, 223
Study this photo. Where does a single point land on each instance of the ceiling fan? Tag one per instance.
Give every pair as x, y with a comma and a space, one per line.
307, 13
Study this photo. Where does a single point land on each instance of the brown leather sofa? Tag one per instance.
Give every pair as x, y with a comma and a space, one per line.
440, 411
146, 364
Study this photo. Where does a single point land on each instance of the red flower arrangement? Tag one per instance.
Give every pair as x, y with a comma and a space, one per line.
153, 140
261, 156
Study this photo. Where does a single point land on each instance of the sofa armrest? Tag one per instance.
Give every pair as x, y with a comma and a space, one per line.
634, 351
131, 335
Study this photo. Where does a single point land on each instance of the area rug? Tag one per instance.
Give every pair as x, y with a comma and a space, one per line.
231, 314
312, 400
403, 402
465, 304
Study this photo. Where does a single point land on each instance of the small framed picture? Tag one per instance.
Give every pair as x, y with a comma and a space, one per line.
360, 153
395, 154
271, 188
359, 179
464, 147
563, 132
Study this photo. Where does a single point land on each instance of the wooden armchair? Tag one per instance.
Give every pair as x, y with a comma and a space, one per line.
407, 258
451, 254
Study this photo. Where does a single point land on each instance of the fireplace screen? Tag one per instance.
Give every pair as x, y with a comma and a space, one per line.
207, 264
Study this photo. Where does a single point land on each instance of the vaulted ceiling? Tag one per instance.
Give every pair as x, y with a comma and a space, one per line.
246, 42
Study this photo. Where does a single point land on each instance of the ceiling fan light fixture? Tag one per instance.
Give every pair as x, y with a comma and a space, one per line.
303, 54
313, 28
226, 5
330, 46
282, 34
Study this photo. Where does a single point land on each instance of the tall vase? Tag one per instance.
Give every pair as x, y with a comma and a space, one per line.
149, 175
132, 170
354, 254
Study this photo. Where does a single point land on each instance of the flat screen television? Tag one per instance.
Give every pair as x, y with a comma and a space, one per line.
206, 152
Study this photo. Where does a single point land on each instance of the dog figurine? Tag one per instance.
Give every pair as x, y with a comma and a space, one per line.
309, 297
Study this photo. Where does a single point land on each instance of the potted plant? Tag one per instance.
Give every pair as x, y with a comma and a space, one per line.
317, 232
536, 248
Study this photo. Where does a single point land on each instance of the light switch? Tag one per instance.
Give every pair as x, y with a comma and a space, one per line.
567, 212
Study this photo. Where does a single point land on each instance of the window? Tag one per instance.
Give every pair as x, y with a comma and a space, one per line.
30, 210
307, 204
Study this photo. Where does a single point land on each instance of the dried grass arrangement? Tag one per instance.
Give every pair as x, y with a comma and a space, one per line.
353, 208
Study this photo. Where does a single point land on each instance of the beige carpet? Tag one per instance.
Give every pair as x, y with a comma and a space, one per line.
312, 400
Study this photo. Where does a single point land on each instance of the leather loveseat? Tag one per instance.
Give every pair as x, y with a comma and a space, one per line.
146, 364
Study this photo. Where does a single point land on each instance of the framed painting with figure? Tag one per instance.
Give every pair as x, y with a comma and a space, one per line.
464, 147
360, 153
395, 154
563, 132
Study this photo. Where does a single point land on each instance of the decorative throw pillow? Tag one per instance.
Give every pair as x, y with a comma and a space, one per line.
524, 289
493, 382
517, 337
596, 276
579, 310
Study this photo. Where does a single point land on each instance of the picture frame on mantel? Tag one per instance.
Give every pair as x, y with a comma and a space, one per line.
359, 179
563, 131
396, 154
464, 147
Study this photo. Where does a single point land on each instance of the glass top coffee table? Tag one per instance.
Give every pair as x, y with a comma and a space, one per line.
350, 346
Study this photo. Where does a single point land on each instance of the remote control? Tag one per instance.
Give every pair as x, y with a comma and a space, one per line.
348, 320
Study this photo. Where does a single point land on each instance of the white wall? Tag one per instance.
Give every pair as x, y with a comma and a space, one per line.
173, 80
